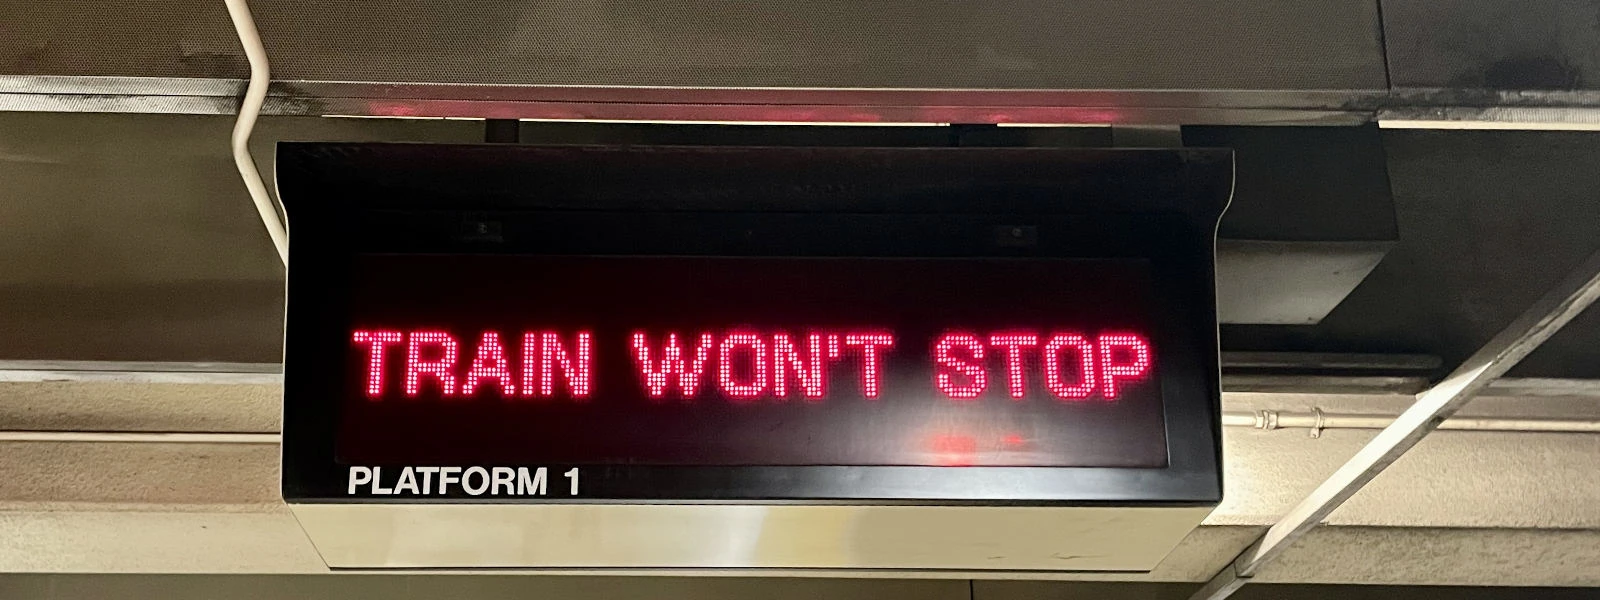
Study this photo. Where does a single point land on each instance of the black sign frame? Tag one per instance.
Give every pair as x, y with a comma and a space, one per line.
1157, 205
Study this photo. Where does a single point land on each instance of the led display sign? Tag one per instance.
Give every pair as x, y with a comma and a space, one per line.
547, 324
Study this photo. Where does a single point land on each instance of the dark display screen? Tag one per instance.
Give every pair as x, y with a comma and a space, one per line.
666, 324
704, 361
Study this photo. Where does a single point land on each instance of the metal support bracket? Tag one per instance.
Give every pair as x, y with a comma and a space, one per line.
1519, 339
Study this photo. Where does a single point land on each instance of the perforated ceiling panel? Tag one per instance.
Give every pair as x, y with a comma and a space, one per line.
155, 38
1038, 44
1494, 44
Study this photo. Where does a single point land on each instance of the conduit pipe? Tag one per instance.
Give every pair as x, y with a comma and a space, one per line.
254, 96
1261, 419
1316, 420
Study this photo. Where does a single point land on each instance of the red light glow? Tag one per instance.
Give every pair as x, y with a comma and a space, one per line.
954, 450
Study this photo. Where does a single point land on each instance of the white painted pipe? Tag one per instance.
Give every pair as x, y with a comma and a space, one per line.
254, 96
149, 437
1271, 419
1262, 419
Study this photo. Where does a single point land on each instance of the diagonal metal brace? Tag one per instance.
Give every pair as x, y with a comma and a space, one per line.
1519, 339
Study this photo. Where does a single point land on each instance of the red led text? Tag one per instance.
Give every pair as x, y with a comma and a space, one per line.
1073, 367
747, 365
551, 364
751, 365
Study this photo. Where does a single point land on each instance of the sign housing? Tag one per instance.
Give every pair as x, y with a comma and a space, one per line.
882, 332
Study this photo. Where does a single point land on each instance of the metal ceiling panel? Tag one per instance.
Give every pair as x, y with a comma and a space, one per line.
1533, 45
1026, 44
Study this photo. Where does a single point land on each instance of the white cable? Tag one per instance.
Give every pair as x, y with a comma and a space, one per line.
254, 96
